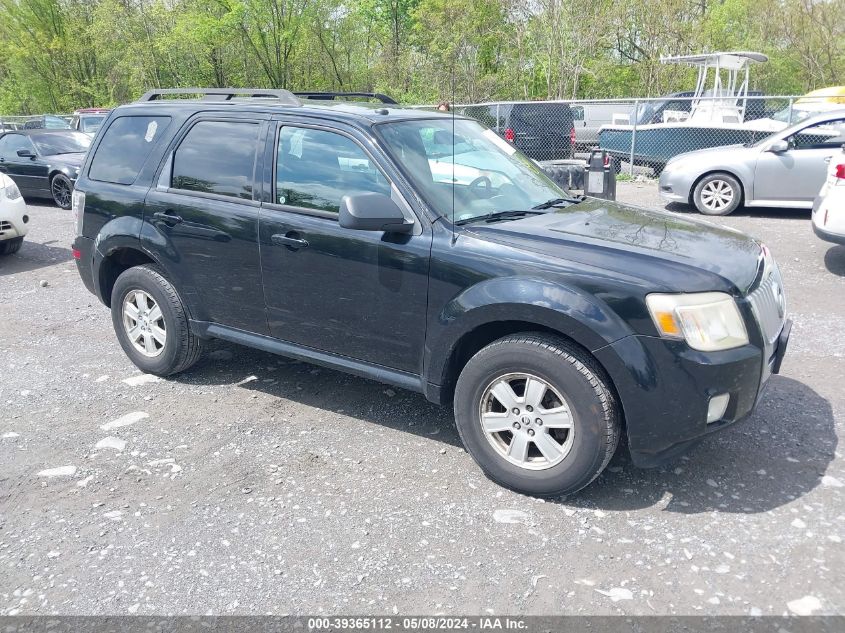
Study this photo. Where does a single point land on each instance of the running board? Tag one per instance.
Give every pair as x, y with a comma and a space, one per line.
379, 373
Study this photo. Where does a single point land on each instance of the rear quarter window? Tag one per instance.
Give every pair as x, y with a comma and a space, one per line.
125, 147
541, 115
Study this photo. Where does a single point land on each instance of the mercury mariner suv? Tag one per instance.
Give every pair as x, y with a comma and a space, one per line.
422, 250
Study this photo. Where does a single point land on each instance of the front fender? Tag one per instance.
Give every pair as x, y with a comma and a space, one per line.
570, 311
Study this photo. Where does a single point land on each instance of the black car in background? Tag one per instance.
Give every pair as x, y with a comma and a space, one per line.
44, 163
540, 130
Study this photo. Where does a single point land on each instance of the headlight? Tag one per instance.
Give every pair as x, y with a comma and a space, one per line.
707, 321
9, 189
12, 191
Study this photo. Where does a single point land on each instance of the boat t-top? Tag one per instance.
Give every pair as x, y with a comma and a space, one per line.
717, 113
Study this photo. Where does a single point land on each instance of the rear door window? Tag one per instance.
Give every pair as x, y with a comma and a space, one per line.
542, 118
125, 148
217, 157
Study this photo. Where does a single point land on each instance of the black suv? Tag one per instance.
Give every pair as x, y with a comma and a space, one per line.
540, 130
424, 251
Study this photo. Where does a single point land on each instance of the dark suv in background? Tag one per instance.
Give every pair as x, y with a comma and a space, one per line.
421, 250
542, 131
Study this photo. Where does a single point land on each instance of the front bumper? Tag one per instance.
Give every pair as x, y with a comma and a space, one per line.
674, 186
14, 220
665, 388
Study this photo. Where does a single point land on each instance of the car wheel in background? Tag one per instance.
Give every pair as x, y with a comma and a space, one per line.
7, 247
61, 189
717, 194
151, 322
537, 414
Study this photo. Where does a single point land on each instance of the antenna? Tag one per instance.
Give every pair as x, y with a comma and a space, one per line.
452, 109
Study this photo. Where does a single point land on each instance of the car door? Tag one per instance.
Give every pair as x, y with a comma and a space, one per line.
359, 294
28, 173
797, 174
204, 211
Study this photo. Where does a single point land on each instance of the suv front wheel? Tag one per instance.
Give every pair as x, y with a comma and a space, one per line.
537, 414
151, 323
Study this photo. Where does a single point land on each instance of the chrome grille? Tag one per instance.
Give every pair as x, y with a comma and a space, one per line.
768, 302
5, 226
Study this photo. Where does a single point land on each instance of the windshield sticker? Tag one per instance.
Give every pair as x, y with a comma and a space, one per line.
501, 143
151, 132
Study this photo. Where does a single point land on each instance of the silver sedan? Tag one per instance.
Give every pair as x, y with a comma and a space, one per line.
785, 169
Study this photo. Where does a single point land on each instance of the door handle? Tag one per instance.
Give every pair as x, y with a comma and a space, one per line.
290, 240
167, 217
827, 159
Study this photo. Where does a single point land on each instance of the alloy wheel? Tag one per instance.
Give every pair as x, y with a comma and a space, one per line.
144, 324
717, 195
61, 191
527, 421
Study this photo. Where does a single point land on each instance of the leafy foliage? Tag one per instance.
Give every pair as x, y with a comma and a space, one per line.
57, 55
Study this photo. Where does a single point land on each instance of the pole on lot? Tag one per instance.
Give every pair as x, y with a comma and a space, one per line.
791, 100
634, 135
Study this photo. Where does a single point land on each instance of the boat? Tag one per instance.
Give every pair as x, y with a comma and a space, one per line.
721, 111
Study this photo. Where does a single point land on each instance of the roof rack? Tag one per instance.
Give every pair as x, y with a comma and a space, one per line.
330, 96
224, 94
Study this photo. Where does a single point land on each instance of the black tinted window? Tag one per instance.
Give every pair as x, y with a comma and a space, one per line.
543, 116
315, 169
11, 143
125, 147
217, 157
61, 143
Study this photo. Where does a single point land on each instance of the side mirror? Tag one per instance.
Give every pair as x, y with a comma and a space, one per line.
373, 212
26, 153
779, 146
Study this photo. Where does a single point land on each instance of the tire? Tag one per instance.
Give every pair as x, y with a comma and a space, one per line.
575, 387
61, 188
9, 247
146, 287
725, 194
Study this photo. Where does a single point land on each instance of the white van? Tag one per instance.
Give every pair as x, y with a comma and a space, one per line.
589, 117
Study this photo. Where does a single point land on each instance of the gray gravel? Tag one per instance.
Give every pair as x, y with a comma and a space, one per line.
254, 484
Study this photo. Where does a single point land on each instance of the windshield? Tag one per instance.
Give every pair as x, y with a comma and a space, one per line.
488, 173
91, 123
68, 143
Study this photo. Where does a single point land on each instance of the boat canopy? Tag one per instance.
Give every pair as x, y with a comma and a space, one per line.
734, 60
724, 101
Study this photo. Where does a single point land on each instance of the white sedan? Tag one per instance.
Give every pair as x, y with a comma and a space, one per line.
829, 207
14, 220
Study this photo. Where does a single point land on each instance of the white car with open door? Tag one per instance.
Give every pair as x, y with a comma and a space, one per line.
14, 221
829, 207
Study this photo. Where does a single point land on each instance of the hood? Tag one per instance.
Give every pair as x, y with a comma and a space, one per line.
69, 160
720, 152
670, 252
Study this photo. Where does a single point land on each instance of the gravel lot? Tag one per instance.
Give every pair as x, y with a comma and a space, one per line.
253, 484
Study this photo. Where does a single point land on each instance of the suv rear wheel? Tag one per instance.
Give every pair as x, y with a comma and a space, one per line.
537, 414
151, 323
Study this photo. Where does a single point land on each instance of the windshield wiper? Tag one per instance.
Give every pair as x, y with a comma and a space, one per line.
557, 202
499, 215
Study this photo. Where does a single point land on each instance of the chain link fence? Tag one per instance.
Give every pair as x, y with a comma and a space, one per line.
33, 121
641, 135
